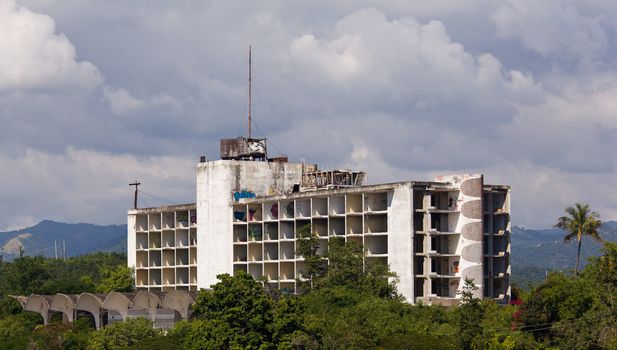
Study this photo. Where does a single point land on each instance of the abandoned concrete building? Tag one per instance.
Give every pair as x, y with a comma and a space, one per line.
248, 209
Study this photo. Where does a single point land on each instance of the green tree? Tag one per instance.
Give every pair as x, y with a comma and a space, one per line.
315, 265
35, 274
378, 280
346, 263
496, 321
469, 315
559, 302
117, 279
236, 313
15, 326
350, 268
159, 342
9, 306
579, 222
597, 323
24, 275
122, 334
59, 337
289, 330
603, 269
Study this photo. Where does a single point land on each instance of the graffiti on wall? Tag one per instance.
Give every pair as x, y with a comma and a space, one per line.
243, 194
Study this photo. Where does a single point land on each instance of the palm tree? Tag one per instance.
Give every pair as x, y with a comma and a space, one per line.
580, 222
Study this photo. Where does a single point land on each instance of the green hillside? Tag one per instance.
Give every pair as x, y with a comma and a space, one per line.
536, 252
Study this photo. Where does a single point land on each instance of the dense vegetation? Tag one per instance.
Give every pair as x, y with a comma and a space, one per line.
88, 273
341, 305
99, 272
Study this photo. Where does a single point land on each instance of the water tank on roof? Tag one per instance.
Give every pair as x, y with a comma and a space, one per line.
243, 148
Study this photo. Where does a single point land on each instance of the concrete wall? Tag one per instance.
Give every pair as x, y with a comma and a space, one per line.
400, 238
130, 240
216, 183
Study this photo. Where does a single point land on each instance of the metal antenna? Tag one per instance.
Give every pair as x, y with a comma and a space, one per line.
135, 184
250, 92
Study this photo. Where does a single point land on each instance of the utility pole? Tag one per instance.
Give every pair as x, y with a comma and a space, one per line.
250, 92
64, 248
136, 184
56, 248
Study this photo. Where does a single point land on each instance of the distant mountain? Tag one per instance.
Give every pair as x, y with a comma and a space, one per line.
536, 251
79, 239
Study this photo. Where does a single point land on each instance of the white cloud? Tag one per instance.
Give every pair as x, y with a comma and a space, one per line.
404, 90
541, 193
376, 60
339, 59
121, 101
85, 185
33, 56
572, 130
553, 28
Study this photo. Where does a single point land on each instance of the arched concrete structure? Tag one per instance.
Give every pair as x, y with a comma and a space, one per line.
157, 305
91, 303
119, 302
64, 303
180, 301
39, 304
21, 299
149, 301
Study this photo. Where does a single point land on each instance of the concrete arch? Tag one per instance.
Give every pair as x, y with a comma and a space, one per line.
119, 302
64, 303
91, 303
21, 299
39, 304
149, 301
180, 301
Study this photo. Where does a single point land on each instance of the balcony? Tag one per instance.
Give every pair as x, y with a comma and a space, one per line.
445, 246
445, 267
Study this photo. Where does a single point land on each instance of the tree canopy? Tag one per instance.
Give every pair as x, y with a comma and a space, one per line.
352, 303
579, 222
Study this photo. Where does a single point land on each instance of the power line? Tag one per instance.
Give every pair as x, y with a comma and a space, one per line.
270, 122
146, 205
162, 200
263, 133
542, 326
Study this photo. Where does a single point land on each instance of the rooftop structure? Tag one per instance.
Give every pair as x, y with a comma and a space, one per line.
248, 209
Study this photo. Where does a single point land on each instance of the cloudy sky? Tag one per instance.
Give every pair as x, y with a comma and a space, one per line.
95, 94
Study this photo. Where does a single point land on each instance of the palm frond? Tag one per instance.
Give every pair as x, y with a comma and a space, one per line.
570, 236
581, 219
596, 235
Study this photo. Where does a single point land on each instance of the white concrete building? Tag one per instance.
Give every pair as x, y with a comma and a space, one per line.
431, 234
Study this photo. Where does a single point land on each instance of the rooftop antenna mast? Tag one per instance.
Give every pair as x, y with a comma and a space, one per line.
250, 92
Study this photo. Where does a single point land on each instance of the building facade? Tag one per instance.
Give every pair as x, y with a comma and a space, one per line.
432, 234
